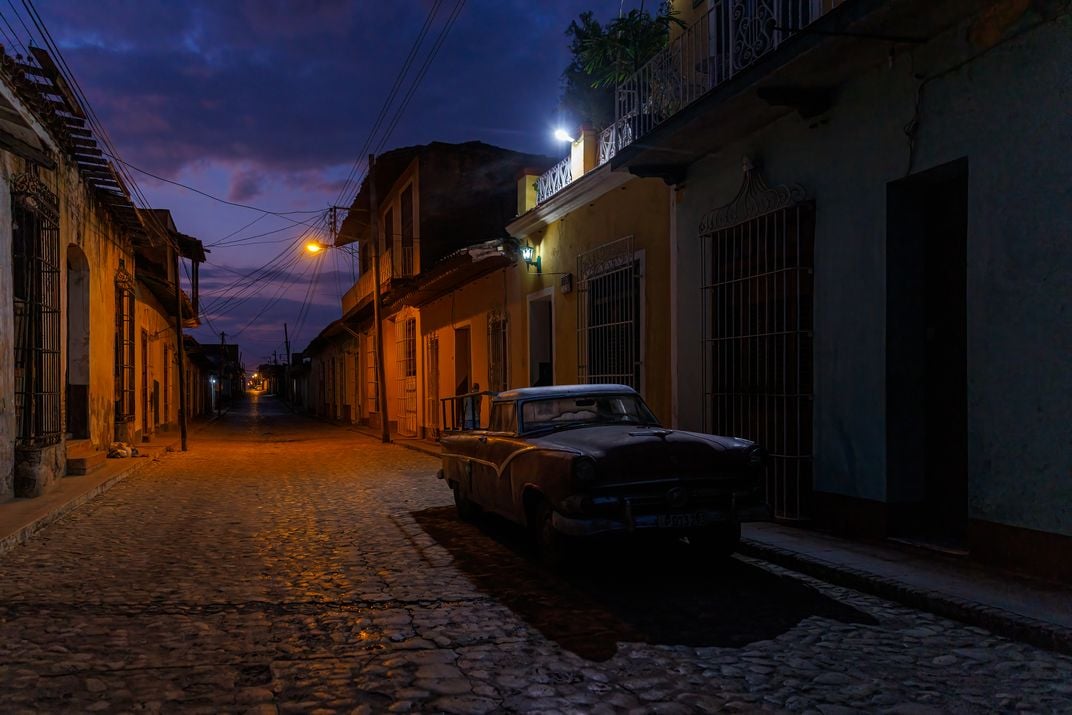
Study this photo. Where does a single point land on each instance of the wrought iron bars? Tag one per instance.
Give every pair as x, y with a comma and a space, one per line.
124, 345
608, 311
757, 332
726, 40
406, 380
36, 273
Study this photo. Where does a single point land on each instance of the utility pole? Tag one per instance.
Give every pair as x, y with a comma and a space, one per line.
381, 387
350, 247
286, 368
181, 352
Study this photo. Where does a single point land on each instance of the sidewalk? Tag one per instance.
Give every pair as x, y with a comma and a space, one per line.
418, 444
20, 519
1037, 612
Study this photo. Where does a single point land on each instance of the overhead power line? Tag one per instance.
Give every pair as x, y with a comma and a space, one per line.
206, 194
395, 86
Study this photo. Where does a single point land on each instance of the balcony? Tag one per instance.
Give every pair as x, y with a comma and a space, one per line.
728, 39
554, 180
394, 265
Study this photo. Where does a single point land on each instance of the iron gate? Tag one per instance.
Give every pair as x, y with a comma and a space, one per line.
757, 331
608, 309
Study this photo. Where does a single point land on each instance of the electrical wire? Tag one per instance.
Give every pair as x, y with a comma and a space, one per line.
349, 184
281, 214
444, 31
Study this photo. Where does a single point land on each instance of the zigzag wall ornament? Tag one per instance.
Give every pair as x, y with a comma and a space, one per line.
754, 198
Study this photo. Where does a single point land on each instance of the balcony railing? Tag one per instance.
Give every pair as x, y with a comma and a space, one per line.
726, 40
554, 180
389, 269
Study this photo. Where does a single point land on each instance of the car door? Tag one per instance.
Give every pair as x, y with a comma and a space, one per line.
502, 443
464, 458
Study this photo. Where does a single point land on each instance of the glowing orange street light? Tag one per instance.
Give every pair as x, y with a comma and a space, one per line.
314, 247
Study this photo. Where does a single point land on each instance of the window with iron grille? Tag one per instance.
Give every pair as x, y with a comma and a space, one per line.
35, 255
431, 375
608, 311
757, 331
406, 379
388, 232
407, 230
409, 348
124, 345
372, 393
498, 351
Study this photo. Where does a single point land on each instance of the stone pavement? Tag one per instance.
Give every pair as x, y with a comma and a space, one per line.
20, 519
1036, 611
284, 565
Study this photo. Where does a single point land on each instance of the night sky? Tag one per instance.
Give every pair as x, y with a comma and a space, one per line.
268, 103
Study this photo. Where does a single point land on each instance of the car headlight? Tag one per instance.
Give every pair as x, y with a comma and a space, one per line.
584, 470
757, 457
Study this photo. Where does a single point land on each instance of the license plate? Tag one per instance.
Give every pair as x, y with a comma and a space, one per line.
682, 521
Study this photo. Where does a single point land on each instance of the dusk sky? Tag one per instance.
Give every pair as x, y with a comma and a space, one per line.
269, 103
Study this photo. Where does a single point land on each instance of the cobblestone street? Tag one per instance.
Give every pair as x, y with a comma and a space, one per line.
287, 565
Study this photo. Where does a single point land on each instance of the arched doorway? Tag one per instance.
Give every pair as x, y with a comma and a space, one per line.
77, 343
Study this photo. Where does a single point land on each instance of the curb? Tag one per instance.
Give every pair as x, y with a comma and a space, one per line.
25, 533
1042, 634
405, 443
419, 448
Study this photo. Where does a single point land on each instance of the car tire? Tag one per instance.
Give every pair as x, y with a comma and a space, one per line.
467, 510
717, 542
550, 546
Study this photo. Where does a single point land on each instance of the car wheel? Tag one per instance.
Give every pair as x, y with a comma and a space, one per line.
467, 510
718, 542
549, 543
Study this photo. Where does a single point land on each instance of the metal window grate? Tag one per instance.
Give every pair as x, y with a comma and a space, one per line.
167, 385
498, 351
757, 332
406, 208
36, 276
124, 345
608, 308
406, 382
431, 391
372, 393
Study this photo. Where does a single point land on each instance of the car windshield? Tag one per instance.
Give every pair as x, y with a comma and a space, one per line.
584, 410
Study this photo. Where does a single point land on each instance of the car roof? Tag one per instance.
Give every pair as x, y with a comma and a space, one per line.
553, 391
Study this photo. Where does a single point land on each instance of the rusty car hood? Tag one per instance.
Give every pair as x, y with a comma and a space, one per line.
633, 451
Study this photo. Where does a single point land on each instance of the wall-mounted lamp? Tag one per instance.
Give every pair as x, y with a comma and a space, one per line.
563, 136
528, 255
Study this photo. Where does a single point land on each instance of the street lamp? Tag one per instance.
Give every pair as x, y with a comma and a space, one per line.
528, 255
314, 247
563, 136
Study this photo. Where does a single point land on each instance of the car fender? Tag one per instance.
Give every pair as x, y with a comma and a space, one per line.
547, 470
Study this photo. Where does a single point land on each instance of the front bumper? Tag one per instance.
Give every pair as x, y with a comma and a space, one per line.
592, 526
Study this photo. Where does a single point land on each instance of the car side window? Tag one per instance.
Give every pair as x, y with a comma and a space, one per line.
503, 417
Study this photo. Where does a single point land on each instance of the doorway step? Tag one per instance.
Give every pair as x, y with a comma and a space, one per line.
82, 458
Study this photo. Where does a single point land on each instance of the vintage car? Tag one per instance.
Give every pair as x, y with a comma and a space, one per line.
592, 460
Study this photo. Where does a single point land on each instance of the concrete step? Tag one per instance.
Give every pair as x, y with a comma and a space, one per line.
83, 459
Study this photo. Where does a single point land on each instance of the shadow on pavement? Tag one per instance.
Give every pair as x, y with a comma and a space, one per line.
660, 596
